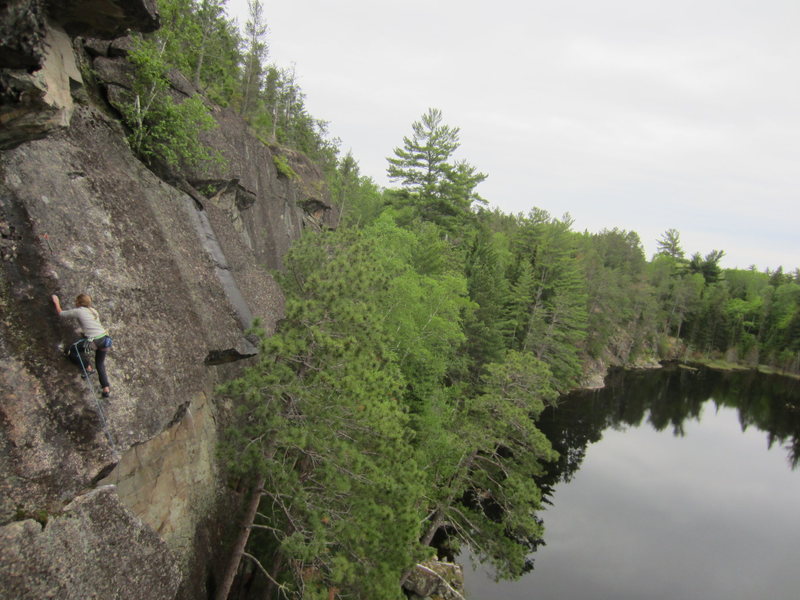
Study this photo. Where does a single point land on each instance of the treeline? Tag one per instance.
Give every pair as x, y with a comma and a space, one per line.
575, 296
743, 316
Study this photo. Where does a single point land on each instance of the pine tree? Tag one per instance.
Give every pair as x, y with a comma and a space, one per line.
555, 326
669, 244
487, 327
320, 421
443, 190
488, 498
256, 53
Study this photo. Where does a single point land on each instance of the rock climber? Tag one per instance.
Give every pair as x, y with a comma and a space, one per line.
93, 333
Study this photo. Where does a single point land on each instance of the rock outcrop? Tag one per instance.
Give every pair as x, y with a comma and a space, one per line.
22, 32
177, 270
76, 556
37, 61
32, 104
104, 18
437, 580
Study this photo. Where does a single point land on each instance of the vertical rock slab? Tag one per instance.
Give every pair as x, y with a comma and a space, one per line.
84, 215
166, 483
272, 208
176, 275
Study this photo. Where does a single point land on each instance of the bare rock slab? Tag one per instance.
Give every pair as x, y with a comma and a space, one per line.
95, 549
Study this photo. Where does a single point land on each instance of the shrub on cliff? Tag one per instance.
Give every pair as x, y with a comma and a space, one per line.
163, 129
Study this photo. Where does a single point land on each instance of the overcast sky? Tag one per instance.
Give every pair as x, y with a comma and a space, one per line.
639, 114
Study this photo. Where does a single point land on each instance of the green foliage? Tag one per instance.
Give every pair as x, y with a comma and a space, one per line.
740, 315
198, 39
256, 53
556, 320
488, 326
422, 163
353, 420
161, 128
500, 450
708, 267
201, 42
621, 308
284, 168
322, 419
669, 244
359, 199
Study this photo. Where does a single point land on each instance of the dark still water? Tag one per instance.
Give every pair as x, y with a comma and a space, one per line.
674, 485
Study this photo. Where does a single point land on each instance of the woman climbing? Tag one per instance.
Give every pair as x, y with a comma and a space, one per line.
93, 332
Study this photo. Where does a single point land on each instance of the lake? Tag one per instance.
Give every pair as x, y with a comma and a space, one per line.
672, 484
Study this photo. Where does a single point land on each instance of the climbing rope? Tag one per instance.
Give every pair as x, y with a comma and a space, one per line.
93, 391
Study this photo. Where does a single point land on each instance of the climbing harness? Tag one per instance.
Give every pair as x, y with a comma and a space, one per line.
80, 347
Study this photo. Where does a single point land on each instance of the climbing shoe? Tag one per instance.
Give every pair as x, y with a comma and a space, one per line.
105, 394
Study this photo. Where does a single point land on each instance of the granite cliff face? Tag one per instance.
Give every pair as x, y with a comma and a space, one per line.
122, 499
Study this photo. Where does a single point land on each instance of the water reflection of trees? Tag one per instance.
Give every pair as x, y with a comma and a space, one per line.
668, 398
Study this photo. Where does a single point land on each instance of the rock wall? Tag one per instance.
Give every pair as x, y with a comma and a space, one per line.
122, 498
79, 556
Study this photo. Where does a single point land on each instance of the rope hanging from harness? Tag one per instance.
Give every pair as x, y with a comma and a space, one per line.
80, 347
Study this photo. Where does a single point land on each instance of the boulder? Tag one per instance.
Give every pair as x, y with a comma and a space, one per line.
96, 47
113, 71
121, 46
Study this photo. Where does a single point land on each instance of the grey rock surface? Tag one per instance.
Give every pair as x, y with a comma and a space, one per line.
32, 104
436, 579
96, 548
22, 33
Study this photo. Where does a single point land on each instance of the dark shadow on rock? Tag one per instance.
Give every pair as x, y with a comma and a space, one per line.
220, 357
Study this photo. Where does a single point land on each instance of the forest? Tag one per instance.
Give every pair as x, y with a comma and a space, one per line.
393, 414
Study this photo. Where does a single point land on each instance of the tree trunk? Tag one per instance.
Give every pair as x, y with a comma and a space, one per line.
241, 541
200, 59
277, 564
438, 518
